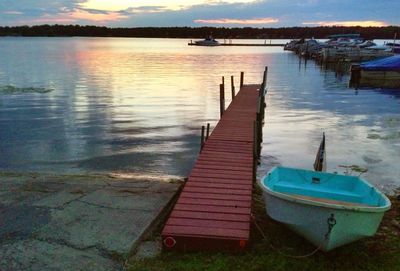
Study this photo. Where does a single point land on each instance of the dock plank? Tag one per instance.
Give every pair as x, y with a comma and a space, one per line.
213, 210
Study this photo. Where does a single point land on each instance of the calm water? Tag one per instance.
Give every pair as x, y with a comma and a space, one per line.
136, 106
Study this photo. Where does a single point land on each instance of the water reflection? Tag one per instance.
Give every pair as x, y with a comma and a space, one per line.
136, 106
132, 105
312, 100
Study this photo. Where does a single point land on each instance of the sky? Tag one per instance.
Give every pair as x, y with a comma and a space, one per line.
197, 13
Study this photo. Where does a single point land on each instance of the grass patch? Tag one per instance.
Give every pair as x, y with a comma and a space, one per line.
381, 252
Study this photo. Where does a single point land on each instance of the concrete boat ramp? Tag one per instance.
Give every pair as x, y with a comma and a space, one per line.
52, 222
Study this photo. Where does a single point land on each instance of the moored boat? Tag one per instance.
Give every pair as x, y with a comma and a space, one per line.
329, 210
209, 41
383, 73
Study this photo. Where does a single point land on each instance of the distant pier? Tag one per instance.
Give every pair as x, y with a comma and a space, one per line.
191, 43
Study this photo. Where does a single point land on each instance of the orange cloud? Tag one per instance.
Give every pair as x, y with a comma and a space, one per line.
96, 17
238, 21
75, 16
348, 23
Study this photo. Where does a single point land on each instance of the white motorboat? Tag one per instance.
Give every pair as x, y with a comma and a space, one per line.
209, 41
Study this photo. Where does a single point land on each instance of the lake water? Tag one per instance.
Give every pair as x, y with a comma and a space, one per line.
135, 106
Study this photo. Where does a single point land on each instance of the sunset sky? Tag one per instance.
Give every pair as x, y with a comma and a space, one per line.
229, 13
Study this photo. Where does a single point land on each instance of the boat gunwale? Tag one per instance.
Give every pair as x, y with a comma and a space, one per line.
288, 197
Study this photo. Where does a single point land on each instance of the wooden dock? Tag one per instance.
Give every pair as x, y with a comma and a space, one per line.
213, 211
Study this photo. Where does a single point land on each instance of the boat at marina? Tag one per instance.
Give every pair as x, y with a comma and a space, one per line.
342, 48
329, 210
354, 54
293, 45
394, 46
209, 41
343, 40
383, 73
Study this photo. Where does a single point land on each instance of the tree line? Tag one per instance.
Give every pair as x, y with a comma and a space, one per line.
387, 32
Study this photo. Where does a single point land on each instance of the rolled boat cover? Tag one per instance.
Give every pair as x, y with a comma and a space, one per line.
391, 63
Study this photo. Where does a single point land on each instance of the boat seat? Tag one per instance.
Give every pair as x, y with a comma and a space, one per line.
331, 201
323, 192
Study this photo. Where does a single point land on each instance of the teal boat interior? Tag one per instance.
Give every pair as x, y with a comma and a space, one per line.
331, 188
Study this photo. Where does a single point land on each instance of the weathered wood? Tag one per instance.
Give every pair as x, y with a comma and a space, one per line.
202, 138
264, 84
255, 140
213, 211
232, 87
221, 99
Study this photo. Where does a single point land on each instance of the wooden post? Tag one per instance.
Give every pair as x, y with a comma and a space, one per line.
259, 134
355, 76
202, 138
221, 99
241, 79
264, 81
223, 80
255, 158
208, 131
255, 145
233, 88
261, 101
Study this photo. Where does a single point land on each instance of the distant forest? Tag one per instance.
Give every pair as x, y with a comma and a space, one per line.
198, 32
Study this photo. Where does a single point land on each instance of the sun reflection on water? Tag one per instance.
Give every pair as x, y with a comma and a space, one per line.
135, 106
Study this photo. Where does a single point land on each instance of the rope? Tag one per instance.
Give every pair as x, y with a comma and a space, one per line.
331, 223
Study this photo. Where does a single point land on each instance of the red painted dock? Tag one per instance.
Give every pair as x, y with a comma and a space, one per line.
214, 208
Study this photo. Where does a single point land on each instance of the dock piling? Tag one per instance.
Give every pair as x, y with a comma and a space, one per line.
221, 99
208, 131
241, 79
264, 83
202, 138
233, 88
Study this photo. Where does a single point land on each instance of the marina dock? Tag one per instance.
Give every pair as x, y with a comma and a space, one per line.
213, 211
244, 44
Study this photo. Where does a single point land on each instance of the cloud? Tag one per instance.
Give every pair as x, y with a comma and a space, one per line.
238, 21
348, 23
170, 5
80, 14
74, 16
138, 13
145, 9
13, 12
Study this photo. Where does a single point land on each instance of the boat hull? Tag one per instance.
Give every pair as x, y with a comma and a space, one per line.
382, 79
311, 222
329, 210
206, 43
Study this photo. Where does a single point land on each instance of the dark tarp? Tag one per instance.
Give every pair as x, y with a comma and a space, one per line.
391, 63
